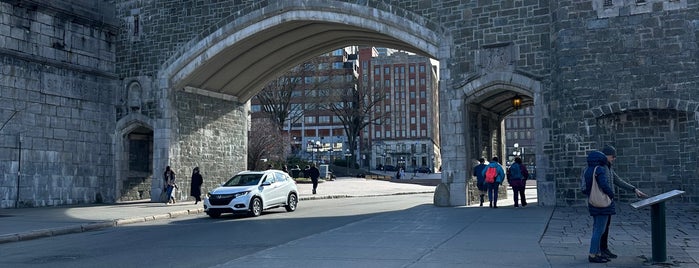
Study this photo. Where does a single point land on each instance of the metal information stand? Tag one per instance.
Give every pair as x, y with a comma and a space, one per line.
657, 220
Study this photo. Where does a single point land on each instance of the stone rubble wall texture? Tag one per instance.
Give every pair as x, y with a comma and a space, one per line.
57, 86
624, 74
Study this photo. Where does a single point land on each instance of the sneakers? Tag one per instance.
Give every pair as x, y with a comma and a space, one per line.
597, 259
608, 254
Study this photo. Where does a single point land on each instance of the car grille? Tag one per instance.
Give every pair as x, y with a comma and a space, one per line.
215, 200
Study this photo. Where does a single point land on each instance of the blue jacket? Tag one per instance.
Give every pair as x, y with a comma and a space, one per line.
478, 172
599, 160
501, 172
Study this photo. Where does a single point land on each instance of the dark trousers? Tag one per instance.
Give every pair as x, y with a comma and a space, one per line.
315, 184
518, 187
605, 236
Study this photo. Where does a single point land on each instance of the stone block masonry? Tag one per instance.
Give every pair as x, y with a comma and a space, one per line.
56, 96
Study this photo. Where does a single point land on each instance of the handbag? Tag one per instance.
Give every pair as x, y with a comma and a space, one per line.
598, 198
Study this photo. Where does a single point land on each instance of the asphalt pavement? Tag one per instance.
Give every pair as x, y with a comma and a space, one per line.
424, 236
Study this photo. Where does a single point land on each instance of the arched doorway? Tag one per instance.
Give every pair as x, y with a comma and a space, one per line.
135, 162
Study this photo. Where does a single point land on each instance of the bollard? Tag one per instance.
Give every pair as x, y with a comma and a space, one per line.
658, 242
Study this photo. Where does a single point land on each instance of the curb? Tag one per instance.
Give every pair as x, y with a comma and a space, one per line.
86, 227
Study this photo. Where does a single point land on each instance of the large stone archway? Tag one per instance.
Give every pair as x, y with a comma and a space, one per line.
230, 65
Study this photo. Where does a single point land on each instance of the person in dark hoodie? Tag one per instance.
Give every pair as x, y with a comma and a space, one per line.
597, 168
600, 163
610, 152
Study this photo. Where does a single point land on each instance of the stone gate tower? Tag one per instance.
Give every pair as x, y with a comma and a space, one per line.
97, 97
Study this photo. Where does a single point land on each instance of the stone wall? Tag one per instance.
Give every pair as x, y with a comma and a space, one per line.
212, 135
56, 100
626, 75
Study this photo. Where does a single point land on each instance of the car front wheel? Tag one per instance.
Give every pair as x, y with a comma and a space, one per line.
255, 207
292, 202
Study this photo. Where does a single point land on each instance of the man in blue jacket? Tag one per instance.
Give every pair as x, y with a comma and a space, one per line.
480, 178
493, 187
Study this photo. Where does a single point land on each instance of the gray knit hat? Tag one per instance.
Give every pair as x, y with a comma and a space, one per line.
609, 150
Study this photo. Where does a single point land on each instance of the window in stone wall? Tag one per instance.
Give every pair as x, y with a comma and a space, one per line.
608, 3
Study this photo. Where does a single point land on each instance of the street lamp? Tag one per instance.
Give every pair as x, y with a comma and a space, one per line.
347, 156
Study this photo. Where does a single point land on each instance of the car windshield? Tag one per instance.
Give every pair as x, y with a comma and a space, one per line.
244, 180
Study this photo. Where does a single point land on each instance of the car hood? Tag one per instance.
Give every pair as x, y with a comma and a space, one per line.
232, 189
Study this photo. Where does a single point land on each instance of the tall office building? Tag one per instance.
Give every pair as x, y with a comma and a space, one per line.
408, 136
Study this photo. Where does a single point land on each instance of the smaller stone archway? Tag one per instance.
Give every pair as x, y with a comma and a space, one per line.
487, 99
134, 159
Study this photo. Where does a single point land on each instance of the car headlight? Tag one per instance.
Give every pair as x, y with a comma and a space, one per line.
236, 195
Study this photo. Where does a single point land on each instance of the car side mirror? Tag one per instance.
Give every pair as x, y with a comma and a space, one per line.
266, 183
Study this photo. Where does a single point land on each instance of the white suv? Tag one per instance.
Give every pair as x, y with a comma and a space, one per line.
251, 192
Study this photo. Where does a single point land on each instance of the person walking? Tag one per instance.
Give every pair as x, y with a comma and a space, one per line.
498, 177
197, 181
169, 178
610, 154
516, 179
480, 179
314, 174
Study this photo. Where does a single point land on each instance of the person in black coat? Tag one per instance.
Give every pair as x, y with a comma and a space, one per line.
197, 181
314, 173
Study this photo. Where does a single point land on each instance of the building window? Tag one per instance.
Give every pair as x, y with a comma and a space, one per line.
310, 120
422, 68
324, 119
386, 70
422, 81
377, 71
411, 69
412, 82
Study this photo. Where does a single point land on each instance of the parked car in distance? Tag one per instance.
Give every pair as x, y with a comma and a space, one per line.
252, 192
389, 168
423, 170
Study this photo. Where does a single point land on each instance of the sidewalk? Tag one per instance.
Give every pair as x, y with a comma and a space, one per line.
425, 236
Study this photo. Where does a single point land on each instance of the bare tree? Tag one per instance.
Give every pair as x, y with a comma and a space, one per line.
265, 143
357, 106
277, 97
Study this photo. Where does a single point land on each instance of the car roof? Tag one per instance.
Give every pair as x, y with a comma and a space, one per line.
258, 171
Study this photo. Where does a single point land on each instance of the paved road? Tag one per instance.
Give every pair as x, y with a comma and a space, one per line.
428, 236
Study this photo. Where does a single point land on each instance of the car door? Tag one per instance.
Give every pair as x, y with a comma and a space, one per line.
271, 192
